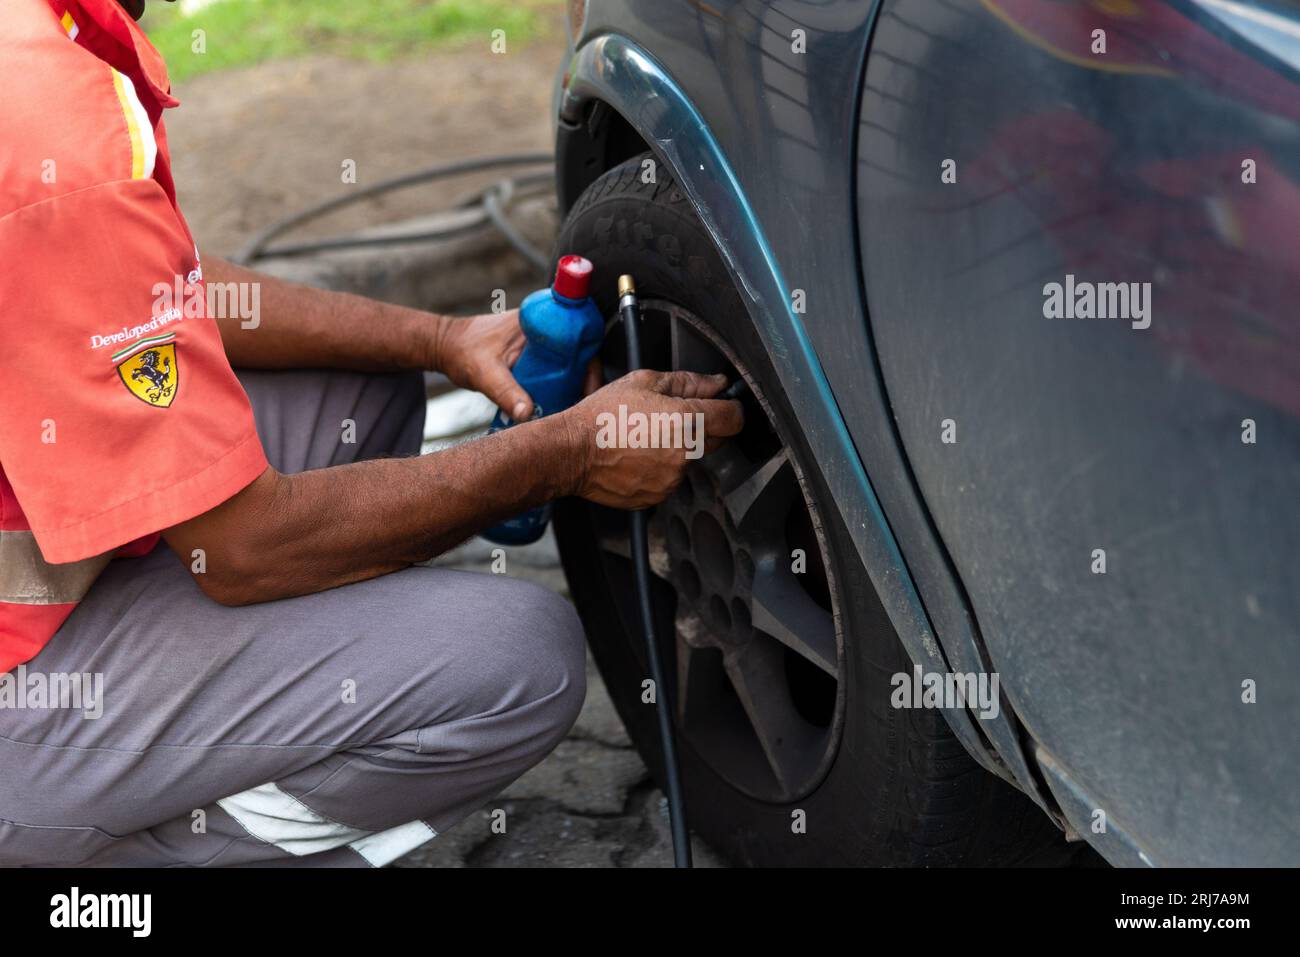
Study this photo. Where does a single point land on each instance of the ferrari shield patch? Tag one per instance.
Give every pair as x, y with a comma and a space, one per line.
150, 372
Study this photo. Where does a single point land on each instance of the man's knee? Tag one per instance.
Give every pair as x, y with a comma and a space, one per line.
516, 661
549, 645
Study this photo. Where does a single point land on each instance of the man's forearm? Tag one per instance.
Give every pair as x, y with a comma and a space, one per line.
296, 534
298, 327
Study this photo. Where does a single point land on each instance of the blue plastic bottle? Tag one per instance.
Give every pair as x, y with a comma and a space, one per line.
564, 330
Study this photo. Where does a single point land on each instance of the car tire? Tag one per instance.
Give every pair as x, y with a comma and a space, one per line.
898, 789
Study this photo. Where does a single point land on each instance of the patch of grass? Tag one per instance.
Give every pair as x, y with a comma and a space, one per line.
242, 32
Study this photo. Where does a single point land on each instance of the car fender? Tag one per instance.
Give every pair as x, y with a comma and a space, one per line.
611, 71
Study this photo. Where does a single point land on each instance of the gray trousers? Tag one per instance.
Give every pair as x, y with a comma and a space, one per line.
342, 728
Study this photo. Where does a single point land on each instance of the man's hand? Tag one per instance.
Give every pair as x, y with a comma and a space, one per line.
297, 534
637, 478
477, 353
303, 328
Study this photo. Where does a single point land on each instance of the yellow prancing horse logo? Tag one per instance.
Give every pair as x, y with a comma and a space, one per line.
152, 375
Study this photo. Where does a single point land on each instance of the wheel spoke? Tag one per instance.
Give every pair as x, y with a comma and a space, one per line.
693, 672
757, 672
759, 493
782, 609
690, 350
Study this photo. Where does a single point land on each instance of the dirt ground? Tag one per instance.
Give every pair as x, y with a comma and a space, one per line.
251, 146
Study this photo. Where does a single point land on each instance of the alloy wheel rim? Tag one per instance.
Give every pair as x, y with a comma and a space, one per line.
759, 691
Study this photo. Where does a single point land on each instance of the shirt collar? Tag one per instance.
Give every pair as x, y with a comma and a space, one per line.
114, 21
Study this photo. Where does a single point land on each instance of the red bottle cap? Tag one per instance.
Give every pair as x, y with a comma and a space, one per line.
572, 277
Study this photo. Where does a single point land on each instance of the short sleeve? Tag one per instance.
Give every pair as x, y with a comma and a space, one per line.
122, 416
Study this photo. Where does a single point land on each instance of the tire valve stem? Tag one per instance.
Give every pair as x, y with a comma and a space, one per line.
630, 312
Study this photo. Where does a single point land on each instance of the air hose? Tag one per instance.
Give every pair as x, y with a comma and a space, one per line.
490, 202
630, 312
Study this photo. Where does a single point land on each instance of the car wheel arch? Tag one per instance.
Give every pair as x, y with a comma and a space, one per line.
616, 101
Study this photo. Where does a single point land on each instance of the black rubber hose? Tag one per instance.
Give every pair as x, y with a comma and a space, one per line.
492, 206
630, 313
255, 248
515, 188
